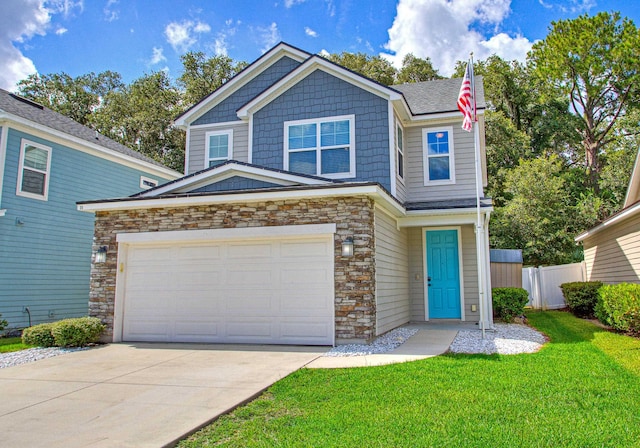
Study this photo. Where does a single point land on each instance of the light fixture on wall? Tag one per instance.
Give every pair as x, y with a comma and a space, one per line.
100, 256
347, 247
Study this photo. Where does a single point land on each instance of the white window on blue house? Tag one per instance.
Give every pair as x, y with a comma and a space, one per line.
439, 167
219, 147
34, 171
321, 147
400, 150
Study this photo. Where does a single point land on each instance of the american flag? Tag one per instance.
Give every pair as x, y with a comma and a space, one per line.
467, 100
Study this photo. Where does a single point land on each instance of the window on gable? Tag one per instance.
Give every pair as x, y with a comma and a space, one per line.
147, 182
35, 167
322, 147
218, 147
400, 150
438, 156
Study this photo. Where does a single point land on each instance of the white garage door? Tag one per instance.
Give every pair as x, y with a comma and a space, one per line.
270, 291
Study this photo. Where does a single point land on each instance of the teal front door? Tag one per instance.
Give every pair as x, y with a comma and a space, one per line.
443, 274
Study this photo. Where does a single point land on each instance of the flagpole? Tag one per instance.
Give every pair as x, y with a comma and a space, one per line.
479, 228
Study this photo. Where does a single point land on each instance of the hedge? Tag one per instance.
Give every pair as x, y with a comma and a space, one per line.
509, 302
76, 332
581, 297
619, 306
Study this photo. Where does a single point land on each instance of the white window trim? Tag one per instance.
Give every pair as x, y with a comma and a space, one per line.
144, 179
207, 159
352, 145
42, 197
401, 152
425, 156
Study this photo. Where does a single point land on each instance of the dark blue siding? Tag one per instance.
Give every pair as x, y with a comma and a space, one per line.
45, 246
323, 95
226, 110
235, 183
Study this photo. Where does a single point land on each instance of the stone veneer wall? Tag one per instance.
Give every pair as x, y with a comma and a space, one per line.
355, 313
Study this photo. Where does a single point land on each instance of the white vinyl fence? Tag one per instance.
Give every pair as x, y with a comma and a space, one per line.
543, 284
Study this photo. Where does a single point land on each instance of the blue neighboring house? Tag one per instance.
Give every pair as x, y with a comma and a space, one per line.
47, 163
317, 207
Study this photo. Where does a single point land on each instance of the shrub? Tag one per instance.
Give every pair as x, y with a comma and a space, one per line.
619, 306
39, 335
3, 323
77, 332
509, 302
581, 297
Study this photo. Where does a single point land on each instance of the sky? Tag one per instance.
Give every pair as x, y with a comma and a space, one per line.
137, 37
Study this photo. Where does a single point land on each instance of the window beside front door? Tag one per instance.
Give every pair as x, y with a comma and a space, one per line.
218, 147
438, 156
34, 171
321, 147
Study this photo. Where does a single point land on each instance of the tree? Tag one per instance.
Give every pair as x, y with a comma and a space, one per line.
505, 146
416, 70
77, 98
373, 67
538, 218
140, 116
594, 62
203, 75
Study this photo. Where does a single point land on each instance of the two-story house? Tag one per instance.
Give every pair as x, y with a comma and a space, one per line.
48, 162
317, 207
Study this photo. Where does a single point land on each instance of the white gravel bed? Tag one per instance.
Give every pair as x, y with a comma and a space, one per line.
507, 339
383, 344
33, 354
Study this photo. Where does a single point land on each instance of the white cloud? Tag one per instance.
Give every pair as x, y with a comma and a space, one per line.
573, 6
182, 35
290, 3
65, 7
309, 32
157, 56
220, 43
20, 21
269, 36
441, 30
60, 31
110, 13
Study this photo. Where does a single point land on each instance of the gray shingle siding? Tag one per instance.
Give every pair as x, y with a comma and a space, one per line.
226, 110
323, 95
235, 183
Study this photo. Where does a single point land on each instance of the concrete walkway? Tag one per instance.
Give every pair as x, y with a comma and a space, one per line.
432, 339
135, 395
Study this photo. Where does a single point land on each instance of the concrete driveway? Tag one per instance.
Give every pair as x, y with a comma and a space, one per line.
135, 395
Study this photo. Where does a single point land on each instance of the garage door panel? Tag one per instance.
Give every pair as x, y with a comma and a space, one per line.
249, 251
301, 249
273, 291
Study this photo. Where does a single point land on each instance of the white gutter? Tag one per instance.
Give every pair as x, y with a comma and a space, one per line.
614, 219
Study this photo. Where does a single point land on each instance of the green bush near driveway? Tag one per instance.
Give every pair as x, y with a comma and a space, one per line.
509, 303
581, 297
619, 306
39, 335
76, 332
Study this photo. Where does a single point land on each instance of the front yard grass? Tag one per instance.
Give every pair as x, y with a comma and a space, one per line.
581, 390
12, 345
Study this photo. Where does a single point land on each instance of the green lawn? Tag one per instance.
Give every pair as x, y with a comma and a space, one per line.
581, 390
12, 345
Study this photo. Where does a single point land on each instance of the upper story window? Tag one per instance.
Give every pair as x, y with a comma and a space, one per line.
219, 147
34, 171
400, 150
438, 156
321, 147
